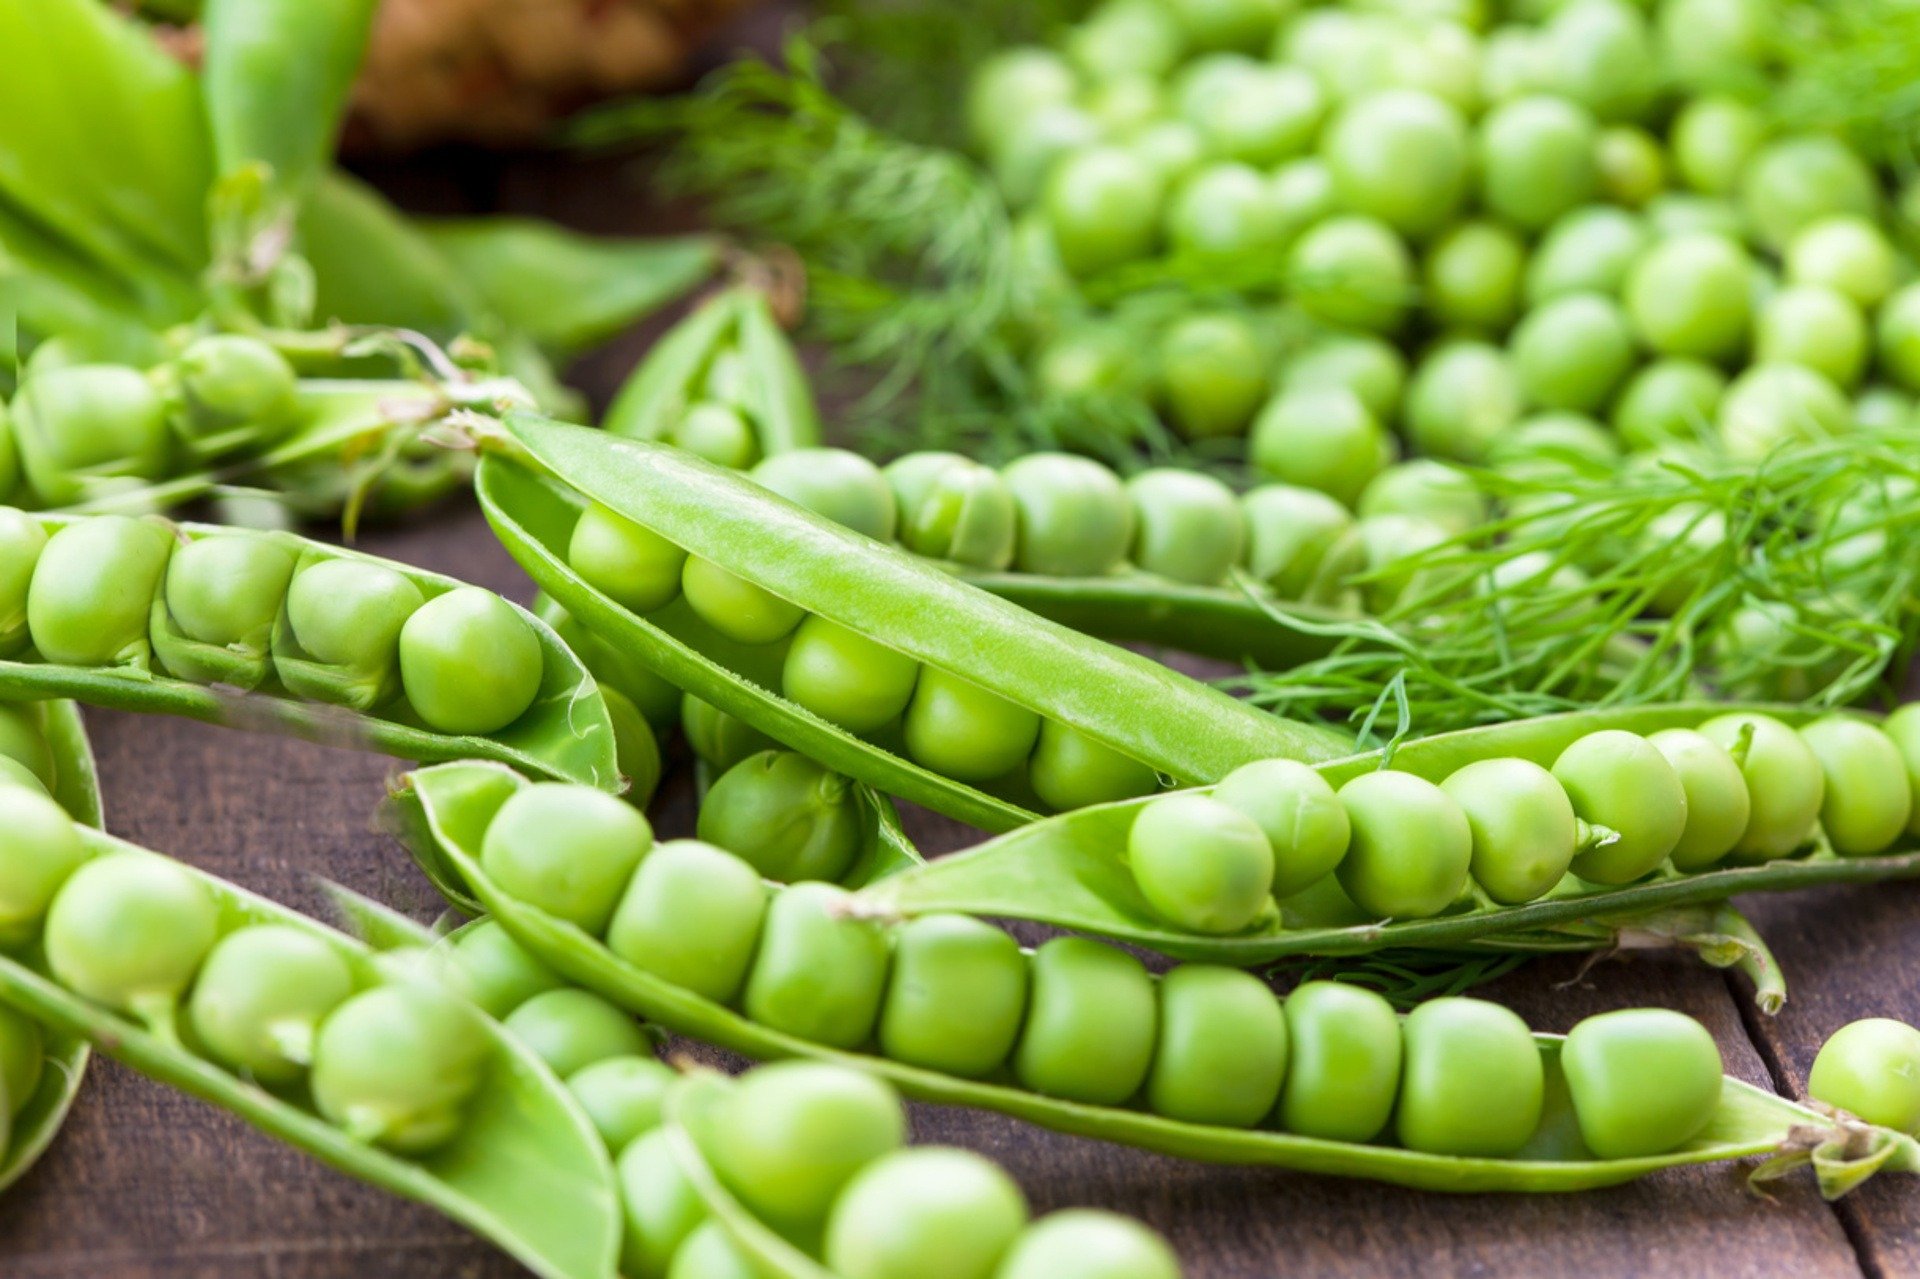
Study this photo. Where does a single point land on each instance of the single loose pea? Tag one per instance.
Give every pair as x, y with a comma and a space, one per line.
662, 1207
846, 678
500, 974
21, 542
1524, 831
1411, 846
716, 737
735, 607
1401, 156
784, 815
1620, 781
1343, 1062
226, 592
1070, 770
1081, 1243
1871, 1070
1795, 182
946, 962
1537, 159
691, 916
1202, 865
1669, 400
571, 1029
931, 1212
1372, 368
710, 1253
1573, 352
23, 1059
1222, 1049
1679, 213
1264, 115
1868, 801
1633, 168
1292, 536
1351, 272
835, 484
1187, 526
565, 849
1472, 277
1074, 517
1103, 204
41, 851
1718, 806
1010, 85
1091, 1023
1850, 255
1306, 825
1425, 489
960, 730
1322, 439
1222, 211
1555, 442
83, 428
397, 1064
1213, 375
1644, 1081
953, 508
1903, 729
1389, 548
790, 1136
93, 589
1770, 405
1471, 1083
1783, 777
1689, 295
1588, 251
129, 932
628, 562
260, 998
1463, 397
820, 971
1813, 326
469, 662
1712, 139
623, 1097
718, 433
346, 616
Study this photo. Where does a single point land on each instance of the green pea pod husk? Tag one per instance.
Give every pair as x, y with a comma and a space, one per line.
1748, 1121
1071, 871
1137, 707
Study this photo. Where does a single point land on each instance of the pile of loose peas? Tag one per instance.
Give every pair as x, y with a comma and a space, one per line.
1568, 221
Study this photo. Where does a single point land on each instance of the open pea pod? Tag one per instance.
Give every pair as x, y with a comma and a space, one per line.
1747, 1121
525, 1171
1117, 699
76, 787
564, 732
1072, 870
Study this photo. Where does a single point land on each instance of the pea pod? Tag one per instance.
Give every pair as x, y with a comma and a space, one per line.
1073, 871
1131, 707
1744, 1122
241, 671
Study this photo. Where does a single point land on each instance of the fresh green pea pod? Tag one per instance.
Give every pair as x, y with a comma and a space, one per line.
1071, 870
1745, 1121
1115, 698
563, 730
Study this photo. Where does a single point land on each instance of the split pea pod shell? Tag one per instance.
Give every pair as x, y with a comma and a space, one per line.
1071, 870
526, 1170
1747, 1121
1171, 724
73, 784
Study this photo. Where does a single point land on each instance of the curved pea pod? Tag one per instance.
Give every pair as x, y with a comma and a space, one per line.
1746, 1121
37, 1119
1071, 871
1117, 699
565, 732
525, 1170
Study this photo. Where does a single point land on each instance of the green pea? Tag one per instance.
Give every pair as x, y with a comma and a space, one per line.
129, 932
1712, 139
1011, 84
1868, 801
1817, 328
1897, 333
1222, 1048
238, 391
1229, 24
93, 590
1588, 251
662, 1207
1306, 825
1463, 397
396, 1065
1411, 846
846, 678
1611, 1060
834, 484
1783, 777
931, 1212
23, 1058
1555, 443
946, 962
1524, 832
962, 731
1689, 295
42, 850
565, 849
226, 592
1400, 156
953, 508
1620, 781
500, 974
1187, 526
790, 1136
1202, 865
628, 562
1669, 400
635, 748
1292, 534
1343, 1062
710, 1253
692, 917
1080, 1243
571, 1029
1070, 770
1681, 213
1572, 352
1223, 210
346, 616
1074, 517
1022, 164
21, 542
1718, 806
718, 433
622, 1096
1433, 491
820, 971
1871, 1070
655, 698
717, 737
1091, 1023
1537, 160
1633, 168
1174, 148
1794, 182
260, 997
469, 662
1319, 439
1262, 116
86, 426
1471, 1084
10, 486
1472, 277
1370, 367
1903, 729
1103, 203
784, 815
1850, 255
1351, 272
735, 607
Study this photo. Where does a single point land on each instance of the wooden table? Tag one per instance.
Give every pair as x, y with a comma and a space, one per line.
146, 1184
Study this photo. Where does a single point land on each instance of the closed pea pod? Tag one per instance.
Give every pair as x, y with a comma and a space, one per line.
1524, 830
1867, 802
571, 1029
568, 849
1608, 1062
1221, 1053
1201, 864
927, 1213
786, 816
945, 962
1871, 1069
92, 592
1784, 780
1091, 1023
1343, 1062
1411, 847
1718, 806
1187, 526
1074, 517
1306, 825
845, 677
260, 997
1619, 781
1471, 1080
692, 915
819, 973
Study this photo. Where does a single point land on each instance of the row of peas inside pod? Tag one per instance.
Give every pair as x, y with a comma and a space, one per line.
809, 1159
1572, 228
